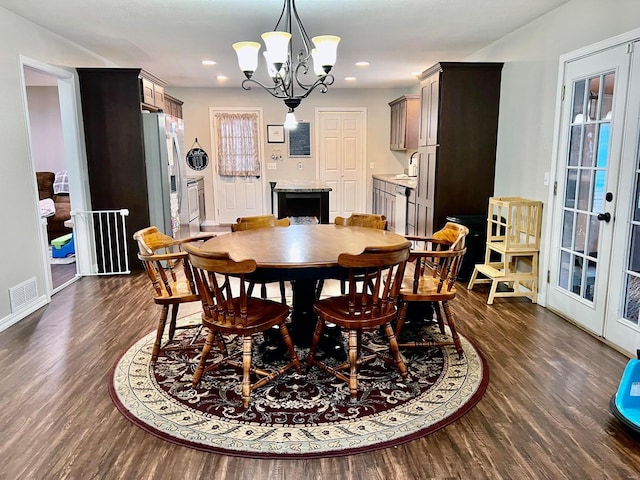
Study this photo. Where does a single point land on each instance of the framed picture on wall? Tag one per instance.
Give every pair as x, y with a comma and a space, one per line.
300, 140
275, 133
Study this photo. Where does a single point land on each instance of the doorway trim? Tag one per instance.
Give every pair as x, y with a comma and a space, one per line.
75, 157
556, 146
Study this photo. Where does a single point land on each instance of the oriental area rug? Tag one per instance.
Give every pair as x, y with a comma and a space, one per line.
296, 416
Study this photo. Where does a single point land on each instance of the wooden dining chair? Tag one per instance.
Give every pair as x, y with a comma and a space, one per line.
262, 221
364, 308
452, 235
259, 221
242, 315
369, 220
436, 262
168, 268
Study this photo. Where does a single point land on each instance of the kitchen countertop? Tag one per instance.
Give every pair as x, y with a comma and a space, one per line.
405, 181
301, 186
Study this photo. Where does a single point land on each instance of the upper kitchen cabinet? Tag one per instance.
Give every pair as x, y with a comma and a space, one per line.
172, 106
429, 95
458, 134
405, 117
152, 91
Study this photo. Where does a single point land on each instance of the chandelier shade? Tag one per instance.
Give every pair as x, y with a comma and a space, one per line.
273, 73
293, 77
290, 122
317, 65
277, 44
247, 53
327, 50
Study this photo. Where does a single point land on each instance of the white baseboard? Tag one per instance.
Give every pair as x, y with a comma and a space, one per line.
208, 223
28, 309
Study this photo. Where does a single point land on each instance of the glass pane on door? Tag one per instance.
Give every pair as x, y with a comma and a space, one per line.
632, 271
586, 174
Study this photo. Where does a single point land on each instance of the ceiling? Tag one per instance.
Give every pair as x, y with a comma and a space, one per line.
170, 38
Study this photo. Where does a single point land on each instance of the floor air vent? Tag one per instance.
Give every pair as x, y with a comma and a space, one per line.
21, 295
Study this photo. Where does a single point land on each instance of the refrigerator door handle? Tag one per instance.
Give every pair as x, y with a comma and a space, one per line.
180, 179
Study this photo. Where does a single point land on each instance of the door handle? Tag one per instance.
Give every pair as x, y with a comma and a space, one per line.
606, 217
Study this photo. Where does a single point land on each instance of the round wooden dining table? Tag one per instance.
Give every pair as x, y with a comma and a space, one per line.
301, 254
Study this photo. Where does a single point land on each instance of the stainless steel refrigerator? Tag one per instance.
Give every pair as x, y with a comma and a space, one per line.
163, 147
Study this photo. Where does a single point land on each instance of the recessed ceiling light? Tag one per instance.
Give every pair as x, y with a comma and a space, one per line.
208, 62
221, 77
350, 79
362, 64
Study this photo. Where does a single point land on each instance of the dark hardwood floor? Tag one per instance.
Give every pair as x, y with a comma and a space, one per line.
545, 414
62, 273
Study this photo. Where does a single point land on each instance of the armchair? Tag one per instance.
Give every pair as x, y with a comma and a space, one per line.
61, 201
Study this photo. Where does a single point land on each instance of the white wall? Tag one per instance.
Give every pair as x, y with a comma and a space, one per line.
525, 134
529, 80
46, 129
529, 89
196, 120
20, 251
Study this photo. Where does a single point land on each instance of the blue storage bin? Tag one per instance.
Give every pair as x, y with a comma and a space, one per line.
63, 246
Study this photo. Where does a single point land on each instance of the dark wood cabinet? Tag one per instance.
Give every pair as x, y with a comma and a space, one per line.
429, 96
386, 195
405, 117
112, 104
384, 201
458, 135
172, 106
411, 212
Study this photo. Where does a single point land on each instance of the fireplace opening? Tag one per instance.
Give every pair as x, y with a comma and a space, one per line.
304, 204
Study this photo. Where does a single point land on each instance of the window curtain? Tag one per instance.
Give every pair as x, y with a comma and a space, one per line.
237, 144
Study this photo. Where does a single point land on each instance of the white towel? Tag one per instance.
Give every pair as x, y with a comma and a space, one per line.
47, 207
61, 183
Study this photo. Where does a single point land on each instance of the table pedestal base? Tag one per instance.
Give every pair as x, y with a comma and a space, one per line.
303, 324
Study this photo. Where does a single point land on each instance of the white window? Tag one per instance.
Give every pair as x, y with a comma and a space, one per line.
237, 145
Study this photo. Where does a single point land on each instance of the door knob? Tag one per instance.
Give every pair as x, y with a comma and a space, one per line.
606, 216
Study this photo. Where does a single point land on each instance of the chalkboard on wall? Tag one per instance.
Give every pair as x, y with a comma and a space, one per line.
300, 140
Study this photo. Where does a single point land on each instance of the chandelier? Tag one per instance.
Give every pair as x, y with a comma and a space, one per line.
286, 72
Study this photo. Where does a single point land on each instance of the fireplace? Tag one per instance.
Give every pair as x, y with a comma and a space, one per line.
303, 199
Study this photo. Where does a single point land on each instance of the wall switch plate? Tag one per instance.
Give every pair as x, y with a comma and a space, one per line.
546, 179
372, 165
272, 166
299, 165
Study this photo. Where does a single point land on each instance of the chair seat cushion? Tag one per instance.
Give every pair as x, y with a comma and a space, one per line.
181, 292
336, 310
447, 234
263, 314
427, 290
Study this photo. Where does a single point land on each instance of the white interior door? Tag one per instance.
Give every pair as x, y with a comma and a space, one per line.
237, 196
623, 306
587, 191
341, 160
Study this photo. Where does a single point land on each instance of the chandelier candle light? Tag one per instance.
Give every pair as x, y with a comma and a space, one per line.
283, 70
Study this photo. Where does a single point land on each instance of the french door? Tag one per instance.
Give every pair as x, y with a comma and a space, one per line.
623, 308
591, 260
